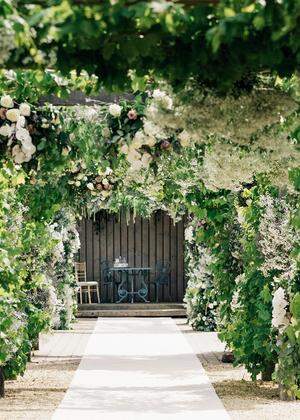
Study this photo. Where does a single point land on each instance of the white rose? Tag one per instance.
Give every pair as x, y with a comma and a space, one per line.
5, 130
146, 159
6, 101
90, 186
138, 140
184, 139
24, 109
23, 135
133, 156
13, 115
18, 155
108, 171
150, 129
150, 141
136, 165
115, 110
21, 122
158, 94
28, 149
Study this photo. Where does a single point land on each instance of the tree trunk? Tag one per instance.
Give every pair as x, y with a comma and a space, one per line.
36, 343
266, 375
1, 382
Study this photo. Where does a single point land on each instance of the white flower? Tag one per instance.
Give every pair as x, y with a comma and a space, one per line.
21, 122
24, 109
5, 130
163, 99
23, 135
108, 171
18, 155
150, 128
146, 159
279, 304
115, 110
6, 101
13, 115
184, 138
29, 149
133, 156
189, 234
90, 186
149, 141
138, 139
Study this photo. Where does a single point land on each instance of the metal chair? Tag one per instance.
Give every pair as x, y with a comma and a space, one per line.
162, 276
106, 275
84, 286
107, 278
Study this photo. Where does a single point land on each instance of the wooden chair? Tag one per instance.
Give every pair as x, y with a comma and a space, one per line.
84, 286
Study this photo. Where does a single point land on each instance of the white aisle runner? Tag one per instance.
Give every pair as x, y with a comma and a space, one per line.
139, 369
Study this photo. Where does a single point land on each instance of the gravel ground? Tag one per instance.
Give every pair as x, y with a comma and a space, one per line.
36, 395
242, 398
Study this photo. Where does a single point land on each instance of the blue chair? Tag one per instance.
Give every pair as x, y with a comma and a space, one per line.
162, 276
106, 276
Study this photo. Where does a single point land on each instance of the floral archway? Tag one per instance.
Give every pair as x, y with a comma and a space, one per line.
211, 157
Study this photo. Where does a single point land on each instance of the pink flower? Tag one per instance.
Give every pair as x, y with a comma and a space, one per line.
132, 115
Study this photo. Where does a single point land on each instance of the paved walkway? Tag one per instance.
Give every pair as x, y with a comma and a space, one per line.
139, 369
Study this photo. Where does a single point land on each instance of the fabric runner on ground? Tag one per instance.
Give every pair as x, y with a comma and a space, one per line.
139, 369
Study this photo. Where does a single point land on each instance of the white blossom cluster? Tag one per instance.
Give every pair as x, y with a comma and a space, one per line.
200, 299
279, 304
277, 237
60, 299
14, 129
243, 136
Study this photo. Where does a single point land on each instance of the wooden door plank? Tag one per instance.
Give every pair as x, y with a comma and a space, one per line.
166, 252
96, 249
160, 244
152, 252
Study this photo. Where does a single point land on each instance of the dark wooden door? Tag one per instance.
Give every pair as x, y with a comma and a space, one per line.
142, 242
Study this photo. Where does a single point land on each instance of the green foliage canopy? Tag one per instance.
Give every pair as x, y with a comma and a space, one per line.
127, 42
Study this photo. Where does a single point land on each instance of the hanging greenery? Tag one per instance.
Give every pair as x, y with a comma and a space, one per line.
220, 44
